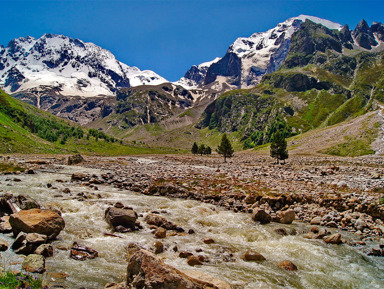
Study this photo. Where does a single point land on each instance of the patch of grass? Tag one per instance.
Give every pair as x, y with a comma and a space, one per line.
355, 146
351, 148
10, 280
10, 167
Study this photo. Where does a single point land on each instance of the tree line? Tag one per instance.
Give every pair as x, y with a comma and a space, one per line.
278, 148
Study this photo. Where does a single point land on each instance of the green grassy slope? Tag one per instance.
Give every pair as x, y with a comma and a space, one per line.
26, 129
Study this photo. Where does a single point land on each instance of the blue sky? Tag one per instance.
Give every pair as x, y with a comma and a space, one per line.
171, 35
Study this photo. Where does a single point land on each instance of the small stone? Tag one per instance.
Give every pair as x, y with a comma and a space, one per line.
81, 253
3, 245
193, 261
159, 247
185, 254
191, 231
122, 285
208, 241
281, 231
333, 239
261, 216
253, 256
287, 265
160, 233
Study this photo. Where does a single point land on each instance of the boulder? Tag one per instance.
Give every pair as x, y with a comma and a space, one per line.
27, 243
8, 205
287, 265
45, 222
45, 250
5, 226
261, 216
3, 245
79, 177
333, 239
316, 220
160, 233
146, 270
197, 275
82, 253
75, 159
26, 203
159, 221
121, 217
253, 256
34, 263
286, 217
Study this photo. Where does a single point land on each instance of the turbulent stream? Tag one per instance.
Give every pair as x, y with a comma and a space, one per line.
319, 265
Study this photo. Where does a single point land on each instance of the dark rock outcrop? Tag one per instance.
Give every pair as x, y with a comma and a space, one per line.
121, 217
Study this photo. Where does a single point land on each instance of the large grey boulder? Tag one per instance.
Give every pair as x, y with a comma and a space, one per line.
121, 217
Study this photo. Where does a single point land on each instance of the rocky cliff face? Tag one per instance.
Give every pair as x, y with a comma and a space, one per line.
148, 104
249, 58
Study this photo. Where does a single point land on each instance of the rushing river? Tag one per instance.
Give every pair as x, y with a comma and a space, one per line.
319, 265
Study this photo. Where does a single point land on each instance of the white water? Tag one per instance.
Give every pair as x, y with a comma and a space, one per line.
319, 265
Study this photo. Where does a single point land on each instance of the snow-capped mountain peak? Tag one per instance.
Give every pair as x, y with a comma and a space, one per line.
71, 66
249, 58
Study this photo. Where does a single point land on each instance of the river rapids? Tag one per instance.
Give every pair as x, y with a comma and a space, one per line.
319, 265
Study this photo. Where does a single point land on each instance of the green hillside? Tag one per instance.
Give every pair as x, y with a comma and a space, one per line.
26, 129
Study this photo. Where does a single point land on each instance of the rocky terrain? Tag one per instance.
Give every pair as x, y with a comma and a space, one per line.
331, 194
344, 193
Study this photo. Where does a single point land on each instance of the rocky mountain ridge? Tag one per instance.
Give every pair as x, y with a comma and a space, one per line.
248, 59
69, 66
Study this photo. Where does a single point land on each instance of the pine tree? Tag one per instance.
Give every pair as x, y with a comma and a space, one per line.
225, 148
201, 149
279, 147
195, 148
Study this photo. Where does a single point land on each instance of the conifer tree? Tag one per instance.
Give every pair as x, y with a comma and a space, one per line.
279, 147
225, 148
202, 149
195, 148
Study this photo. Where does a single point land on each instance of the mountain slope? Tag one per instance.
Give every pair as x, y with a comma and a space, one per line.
69, 66
249, 58
322, 82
